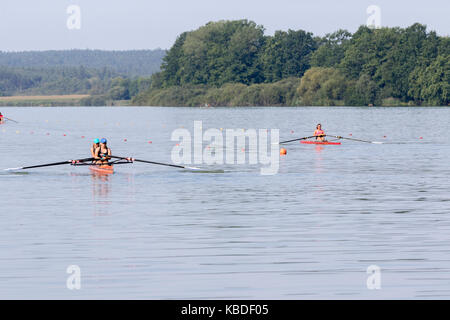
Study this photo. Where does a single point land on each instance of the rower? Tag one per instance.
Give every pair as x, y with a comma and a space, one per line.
94, 147
2, 120
319, 133
102, 153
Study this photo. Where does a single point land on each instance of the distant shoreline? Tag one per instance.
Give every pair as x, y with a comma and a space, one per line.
74, 100
42, 100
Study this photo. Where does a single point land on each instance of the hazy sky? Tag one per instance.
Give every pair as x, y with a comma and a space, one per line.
148, 24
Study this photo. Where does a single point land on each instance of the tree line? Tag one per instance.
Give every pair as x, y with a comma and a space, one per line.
235, 63
105, 75
130, 63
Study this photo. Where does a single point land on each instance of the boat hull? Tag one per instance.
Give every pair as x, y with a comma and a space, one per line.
102, 169
321, 142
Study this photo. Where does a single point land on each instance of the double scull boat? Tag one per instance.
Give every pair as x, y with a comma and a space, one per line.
102, 168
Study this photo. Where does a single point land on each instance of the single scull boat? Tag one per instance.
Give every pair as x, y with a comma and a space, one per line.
321, 142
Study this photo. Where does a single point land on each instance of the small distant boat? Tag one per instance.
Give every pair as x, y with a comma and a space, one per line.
102, 169
321, 142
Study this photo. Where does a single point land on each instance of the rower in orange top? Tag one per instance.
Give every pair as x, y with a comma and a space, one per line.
102, 153
319, 133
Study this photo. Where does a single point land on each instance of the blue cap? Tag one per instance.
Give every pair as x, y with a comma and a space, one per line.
96, 141
103, 140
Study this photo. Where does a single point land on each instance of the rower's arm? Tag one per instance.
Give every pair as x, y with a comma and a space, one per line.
97, 150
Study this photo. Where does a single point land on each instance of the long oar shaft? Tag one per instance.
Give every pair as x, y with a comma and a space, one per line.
51, 164
298, 139
156, 163
161, 164
11, 120
353, 139
46, 165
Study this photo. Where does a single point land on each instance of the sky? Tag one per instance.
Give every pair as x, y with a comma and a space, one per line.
148, 24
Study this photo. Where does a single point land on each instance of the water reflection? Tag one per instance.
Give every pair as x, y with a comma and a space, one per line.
308, 232
101, 189
318, 163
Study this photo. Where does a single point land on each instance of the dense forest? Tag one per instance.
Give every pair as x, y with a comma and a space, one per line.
132, 63
233, 63
54, 80
105, 75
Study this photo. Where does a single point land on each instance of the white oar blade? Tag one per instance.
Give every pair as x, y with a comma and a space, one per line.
12, 169
200, 170
377, 142
193, 168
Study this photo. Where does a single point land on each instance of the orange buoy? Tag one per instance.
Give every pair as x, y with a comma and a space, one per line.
283, 151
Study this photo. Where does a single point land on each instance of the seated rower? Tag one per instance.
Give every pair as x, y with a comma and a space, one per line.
94, 147
319, 133
2, 120
102, 153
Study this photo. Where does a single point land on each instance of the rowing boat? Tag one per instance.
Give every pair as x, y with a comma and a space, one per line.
102, 169
321, 142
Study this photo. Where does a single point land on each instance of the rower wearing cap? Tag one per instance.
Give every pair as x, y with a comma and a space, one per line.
102, 153
94, 147
319, 133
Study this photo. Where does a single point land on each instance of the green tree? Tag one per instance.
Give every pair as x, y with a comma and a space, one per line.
322, 86
287, 54
362, 92
217, 53
432, 84
331, 49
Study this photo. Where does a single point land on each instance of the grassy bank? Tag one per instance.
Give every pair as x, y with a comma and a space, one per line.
51, 100
312, 90
281, 93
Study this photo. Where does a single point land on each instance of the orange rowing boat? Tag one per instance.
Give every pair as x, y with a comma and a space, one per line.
321, 142
102, 169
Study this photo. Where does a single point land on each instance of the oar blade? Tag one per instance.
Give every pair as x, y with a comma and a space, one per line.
193, 168
13, 169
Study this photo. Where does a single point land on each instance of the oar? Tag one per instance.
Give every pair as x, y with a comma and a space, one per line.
11, 120
50, 164
359, 140
157, 163
298, 139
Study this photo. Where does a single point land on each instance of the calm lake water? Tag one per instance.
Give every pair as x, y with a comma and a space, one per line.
153, 232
